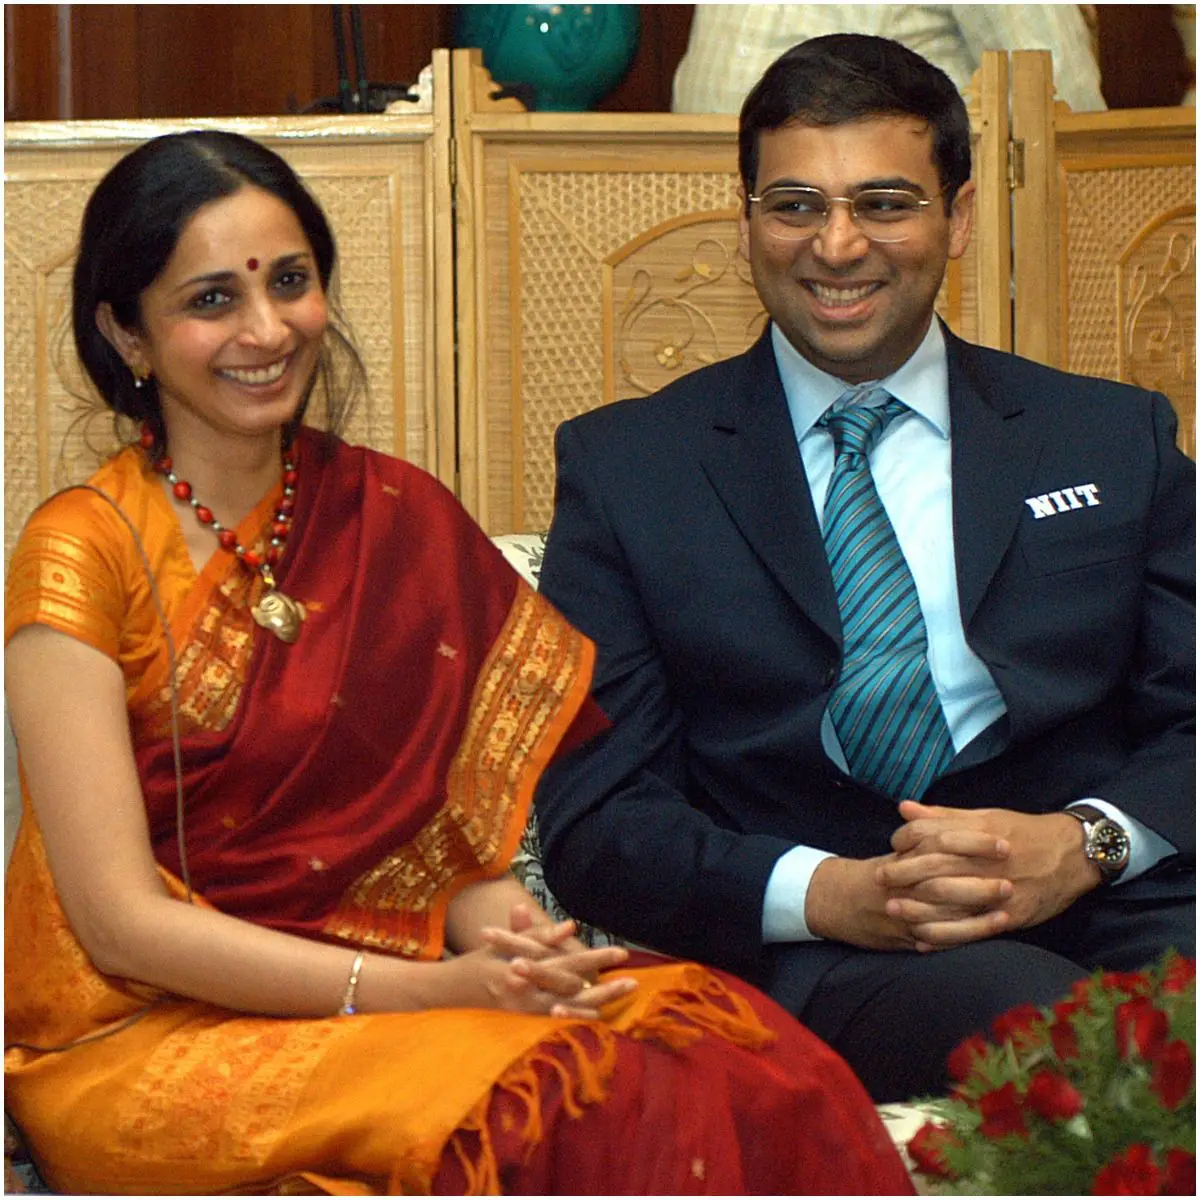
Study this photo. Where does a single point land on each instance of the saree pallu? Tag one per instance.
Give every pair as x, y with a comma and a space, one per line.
345, 788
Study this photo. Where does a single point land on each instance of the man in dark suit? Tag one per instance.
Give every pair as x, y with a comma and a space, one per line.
900, 825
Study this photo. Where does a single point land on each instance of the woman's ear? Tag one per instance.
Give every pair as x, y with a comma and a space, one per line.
124, 341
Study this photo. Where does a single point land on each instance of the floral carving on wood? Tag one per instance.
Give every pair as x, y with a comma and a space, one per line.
677, 297
1156, 287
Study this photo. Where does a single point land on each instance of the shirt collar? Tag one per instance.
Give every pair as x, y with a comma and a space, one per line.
922, 382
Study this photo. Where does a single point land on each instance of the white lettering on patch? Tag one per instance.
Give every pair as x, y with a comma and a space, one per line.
1064, 499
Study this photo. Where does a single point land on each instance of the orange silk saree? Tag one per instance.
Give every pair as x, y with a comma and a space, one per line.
344, 788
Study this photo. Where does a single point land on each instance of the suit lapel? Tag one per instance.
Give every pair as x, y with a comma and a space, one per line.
994, 454
751, 458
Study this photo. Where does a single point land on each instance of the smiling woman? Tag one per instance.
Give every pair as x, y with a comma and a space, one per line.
281, 708
232, 353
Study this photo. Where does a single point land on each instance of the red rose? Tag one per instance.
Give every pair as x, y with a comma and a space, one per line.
961, 1060
1051, 1096
1081, 993
1064, 1039
1133, 1173
925, 1149
1141, 1027
1173, 1074
1180, 975
1181, 1173
1064, 1008
1001, 1112
1017, 1024
1132, 983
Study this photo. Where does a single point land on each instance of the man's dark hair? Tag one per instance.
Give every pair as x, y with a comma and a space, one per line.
845, 77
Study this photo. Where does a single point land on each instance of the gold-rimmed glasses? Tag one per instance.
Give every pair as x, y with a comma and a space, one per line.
883, 214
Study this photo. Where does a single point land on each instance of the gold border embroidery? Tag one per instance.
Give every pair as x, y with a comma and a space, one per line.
211, 666
222, 1086
529, 675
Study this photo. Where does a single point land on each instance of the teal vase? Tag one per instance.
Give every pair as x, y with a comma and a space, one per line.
571, 55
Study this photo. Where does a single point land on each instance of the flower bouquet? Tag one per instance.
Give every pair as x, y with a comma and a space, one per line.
1096, 1095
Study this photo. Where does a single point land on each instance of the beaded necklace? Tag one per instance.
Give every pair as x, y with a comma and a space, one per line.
275, 611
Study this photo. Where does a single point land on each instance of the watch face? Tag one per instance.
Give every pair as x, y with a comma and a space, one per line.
1108, 845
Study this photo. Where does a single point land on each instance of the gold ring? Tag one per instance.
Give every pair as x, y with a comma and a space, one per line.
585, 985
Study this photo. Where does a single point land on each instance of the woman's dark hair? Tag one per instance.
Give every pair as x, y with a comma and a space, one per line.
131, 226
846, 77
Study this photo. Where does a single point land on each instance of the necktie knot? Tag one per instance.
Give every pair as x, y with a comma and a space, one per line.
859, 417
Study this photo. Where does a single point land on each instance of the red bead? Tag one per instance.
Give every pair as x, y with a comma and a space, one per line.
163, 465
274, 554
204, 515
252, 560
287, 506
182, 490
227, 538
147, 439
290, 477
280, 529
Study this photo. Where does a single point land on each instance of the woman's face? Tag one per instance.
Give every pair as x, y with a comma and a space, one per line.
232, 327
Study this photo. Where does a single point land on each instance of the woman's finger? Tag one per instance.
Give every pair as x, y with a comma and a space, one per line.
509, 944
588, 1002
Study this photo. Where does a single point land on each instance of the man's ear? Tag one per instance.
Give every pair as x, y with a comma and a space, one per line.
962, 219
124, 341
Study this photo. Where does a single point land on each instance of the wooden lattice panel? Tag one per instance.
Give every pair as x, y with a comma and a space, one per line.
370, 174
605, 278
1129, 282
1156, 315
679, 298
597, 258
569, 226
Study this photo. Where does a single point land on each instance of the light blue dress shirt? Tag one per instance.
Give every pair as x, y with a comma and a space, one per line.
911, 468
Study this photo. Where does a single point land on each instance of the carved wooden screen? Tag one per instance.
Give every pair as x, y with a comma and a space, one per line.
375, 176
1104, 232
598, 259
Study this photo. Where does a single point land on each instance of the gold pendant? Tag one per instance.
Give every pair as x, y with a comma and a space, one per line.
280, 614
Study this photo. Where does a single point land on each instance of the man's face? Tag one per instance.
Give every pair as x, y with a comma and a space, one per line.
855, 308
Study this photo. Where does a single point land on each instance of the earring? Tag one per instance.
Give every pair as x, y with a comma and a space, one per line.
140, 377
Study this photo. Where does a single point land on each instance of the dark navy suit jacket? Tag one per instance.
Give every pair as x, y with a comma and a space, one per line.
685, 543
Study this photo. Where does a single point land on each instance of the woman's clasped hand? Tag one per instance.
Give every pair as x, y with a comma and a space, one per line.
546, 969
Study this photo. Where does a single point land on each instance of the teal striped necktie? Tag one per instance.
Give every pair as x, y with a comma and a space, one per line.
884, 705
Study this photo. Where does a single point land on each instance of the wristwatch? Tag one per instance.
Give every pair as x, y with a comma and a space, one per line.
1104, 841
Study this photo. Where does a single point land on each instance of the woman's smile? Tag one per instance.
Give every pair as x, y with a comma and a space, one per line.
256, 376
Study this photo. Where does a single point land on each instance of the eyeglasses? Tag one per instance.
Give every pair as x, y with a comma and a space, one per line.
883, 214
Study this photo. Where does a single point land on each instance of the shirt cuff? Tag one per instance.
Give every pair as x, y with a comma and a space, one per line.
1146, 848
787, 890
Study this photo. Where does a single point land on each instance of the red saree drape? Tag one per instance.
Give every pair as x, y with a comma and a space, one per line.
388, 757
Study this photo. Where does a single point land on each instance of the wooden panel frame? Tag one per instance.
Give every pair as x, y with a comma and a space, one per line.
532, 355
1104, 240
385, 182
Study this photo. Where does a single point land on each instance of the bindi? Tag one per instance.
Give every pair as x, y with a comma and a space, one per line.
252, 264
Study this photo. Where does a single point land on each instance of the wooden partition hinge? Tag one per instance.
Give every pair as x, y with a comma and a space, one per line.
1016, 163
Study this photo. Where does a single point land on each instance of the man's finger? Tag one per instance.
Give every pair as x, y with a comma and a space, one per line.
910, 872
939, 935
